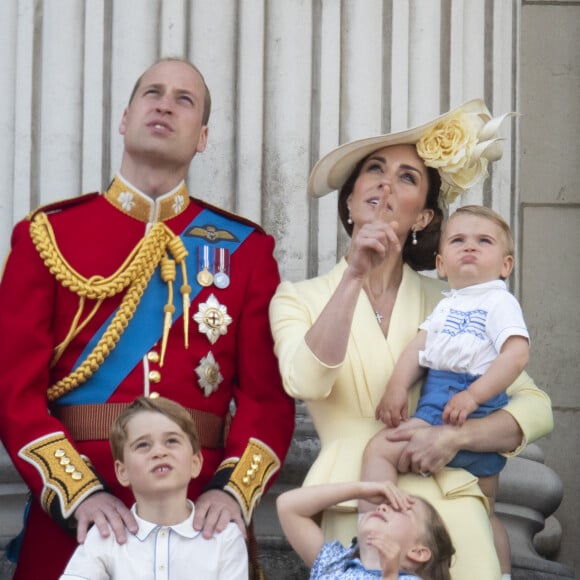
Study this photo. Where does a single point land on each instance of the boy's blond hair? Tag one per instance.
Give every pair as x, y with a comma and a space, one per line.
170, 409
488, 214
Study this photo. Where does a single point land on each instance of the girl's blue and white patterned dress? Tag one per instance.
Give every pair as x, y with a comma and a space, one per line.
337, 562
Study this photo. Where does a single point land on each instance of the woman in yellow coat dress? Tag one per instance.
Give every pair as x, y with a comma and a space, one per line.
338, 336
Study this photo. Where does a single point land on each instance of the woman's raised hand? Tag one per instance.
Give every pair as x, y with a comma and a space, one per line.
373, 243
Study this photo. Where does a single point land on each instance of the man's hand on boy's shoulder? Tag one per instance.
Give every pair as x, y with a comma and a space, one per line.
214, 510
107, 513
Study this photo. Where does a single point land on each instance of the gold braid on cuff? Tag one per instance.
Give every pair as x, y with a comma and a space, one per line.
251, 474
66, 476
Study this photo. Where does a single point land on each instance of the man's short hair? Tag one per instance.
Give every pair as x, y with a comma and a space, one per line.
207, 95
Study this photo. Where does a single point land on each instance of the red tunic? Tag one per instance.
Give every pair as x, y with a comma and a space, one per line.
95, 235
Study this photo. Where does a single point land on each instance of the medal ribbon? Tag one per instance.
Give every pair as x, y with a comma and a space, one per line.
146, 326
221, 278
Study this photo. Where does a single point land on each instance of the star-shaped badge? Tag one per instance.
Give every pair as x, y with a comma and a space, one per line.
209, 374
212, 318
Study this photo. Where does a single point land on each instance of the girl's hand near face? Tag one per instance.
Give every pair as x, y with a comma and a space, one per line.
389, 554
379, 492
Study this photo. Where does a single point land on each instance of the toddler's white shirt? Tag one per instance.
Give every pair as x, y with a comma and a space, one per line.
466, 330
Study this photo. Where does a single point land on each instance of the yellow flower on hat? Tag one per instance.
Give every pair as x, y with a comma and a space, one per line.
460, 146
449, 144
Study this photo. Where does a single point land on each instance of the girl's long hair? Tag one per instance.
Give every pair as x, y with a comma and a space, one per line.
437, 539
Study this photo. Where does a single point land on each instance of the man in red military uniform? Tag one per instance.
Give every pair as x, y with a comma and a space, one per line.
139, 290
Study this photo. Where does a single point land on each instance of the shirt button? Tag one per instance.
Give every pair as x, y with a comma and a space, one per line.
154, 376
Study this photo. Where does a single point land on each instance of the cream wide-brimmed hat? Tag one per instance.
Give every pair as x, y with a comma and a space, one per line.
459, 144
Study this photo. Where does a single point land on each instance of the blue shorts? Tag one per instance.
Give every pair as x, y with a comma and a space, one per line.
439, 387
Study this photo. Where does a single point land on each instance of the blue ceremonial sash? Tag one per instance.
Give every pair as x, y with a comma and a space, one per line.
146, 326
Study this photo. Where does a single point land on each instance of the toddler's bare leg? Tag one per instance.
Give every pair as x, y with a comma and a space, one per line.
501, 539
380, 460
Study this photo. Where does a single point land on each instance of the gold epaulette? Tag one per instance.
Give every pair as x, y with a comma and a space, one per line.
66, 476
251, 474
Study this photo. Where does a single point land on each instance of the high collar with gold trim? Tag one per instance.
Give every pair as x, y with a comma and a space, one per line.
132, 202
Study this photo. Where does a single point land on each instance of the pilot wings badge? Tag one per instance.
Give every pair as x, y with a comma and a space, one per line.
211, 234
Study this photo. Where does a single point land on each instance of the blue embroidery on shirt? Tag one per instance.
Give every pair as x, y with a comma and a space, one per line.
465, 322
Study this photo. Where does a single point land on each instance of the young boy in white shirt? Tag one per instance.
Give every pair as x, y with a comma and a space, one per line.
156, 452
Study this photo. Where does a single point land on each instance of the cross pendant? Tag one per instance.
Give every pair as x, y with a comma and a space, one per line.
378, 316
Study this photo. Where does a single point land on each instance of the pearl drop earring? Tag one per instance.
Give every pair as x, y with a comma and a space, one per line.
414, 238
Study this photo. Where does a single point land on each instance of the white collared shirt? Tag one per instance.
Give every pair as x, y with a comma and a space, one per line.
467, 329
161, 553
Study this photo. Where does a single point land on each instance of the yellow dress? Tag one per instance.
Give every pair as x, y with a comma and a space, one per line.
342, 399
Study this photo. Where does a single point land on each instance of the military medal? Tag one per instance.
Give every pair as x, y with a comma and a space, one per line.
212, 319
221, 278
204, 276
